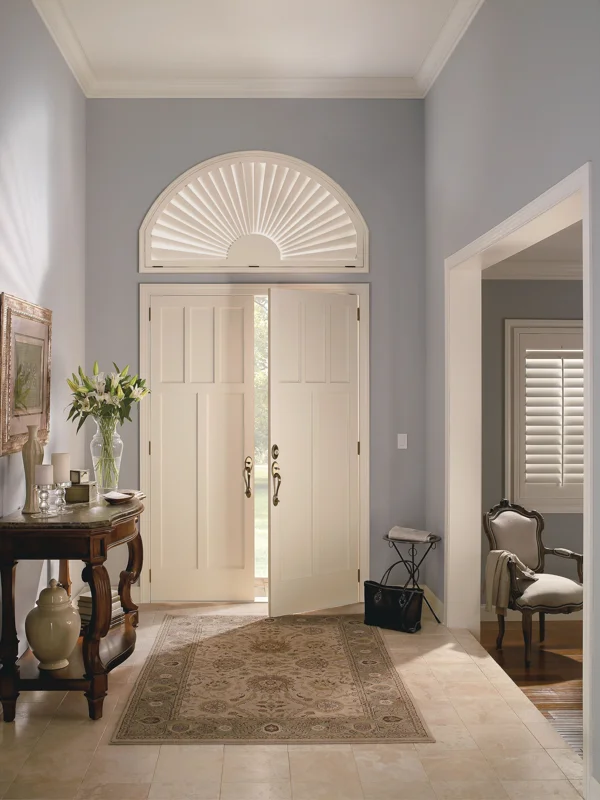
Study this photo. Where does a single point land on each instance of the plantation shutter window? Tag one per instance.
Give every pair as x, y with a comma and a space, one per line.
545, 417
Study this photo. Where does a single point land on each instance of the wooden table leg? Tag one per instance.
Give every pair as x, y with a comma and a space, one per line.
99, 582
130, 575
64, 575
9, 643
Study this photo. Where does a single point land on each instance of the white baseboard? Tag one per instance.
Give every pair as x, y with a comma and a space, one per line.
516, 616
593, 792
434, 602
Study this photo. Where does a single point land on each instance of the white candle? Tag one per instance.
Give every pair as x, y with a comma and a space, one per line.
62, 467
44, 474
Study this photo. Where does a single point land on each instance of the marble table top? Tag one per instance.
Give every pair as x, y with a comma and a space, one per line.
84, 516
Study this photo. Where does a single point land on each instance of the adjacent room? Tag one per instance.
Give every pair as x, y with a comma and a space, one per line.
298, 343
533, 397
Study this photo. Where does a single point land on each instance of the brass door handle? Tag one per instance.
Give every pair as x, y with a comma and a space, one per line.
276, 473
248, 464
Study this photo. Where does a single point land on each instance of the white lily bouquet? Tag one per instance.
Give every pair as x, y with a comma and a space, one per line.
108, 400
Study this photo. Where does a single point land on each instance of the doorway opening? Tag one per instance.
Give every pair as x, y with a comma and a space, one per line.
561, 206
261, 448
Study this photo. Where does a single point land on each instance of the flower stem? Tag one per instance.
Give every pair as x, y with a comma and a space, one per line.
107, 471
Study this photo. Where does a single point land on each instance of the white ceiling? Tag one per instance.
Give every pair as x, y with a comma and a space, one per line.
559, 257
257, 48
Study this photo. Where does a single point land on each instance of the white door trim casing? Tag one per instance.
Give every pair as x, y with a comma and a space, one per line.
362, 291
562, 205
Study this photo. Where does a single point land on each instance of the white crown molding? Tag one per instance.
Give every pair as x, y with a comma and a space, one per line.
65, 38
398, 88
534, 271
391, 88
454, 29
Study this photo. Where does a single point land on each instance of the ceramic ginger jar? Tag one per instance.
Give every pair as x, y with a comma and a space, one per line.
53, 627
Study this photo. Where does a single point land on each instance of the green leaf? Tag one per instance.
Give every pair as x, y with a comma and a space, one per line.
124, 371
81, 421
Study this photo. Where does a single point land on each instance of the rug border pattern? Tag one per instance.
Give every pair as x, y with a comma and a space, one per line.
403, 691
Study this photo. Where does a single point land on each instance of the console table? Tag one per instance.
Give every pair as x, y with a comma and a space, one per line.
86, 535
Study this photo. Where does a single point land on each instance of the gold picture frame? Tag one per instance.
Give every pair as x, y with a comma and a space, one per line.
25, 359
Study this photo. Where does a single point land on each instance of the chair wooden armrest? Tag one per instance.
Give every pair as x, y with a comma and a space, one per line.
562, 552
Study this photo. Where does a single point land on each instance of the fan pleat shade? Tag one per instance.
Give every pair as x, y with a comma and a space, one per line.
554, 417
221, 204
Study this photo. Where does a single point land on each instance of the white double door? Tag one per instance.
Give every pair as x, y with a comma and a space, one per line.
202, 433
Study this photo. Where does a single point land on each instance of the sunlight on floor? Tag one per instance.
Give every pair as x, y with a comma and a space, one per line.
491, 742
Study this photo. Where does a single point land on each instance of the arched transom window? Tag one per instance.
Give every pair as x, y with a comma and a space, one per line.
253, 211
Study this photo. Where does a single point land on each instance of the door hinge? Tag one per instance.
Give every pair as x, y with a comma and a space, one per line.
359, 575
358, 314
358, 447
149, 576
149, 315
149, 448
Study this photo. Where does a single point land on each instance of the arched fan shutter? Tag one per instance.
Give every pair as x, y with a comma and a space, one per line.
249, 211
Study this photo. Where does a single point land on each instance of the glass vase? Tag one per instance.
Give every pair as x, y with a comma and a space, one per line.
107, 449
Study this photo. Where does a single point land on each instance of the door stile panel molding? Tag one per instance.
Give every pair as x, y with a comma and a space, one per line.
362, 291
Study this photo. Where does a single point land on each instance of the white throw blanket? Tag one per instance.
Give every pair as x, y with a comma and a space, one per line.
409, 534
497, 579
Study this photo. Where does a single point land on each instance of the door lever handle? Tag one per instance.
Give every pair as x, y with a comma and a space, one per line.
276, 473
248, 464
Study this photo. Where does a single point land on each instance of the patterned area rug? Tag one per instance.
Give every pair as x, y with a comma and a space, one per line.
289, 680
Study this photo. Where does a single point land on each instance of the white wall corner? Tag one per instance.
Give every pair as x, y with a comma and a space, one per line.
534, 271
65, 38
454, 29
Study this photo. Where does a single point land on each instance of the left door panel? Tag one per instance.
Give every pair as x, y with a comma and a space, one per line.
202, 431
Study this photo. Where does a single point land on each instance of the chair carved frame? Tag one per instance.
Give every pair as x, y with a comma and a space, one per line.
515, 589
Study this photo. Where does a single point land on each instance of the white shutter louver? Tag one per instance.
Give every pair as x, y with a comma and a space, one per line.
573, 420
545, 415
553, 417
253, 210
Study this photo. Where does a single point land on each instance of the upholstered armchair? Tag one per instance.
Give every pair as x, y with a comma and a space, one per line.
514, 529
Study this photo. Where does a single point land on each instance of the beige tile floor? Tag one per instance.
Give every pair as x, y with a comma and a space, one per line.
491, 742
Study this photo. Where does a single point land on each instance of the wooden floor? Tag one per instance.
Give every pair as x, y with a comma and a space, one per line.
553, 682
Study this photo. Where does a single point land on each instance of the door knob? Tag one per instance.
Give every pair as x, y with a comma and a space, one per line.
248, 464
276, 473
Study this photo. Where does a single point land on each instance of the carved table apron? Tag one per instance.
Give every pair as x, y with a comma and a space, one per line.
87, 535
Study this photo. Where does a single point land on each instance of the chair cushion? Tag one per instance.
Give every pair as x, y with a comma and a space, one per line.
517, 534
552, 591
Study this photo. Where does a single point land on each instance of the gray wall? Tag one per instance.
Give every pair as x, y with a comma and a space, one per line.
503, 300
514, 111
42, 224
372, 148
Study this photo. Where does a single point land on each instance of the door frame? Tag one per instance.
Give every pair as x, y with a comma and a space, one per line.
562, 205
362, 292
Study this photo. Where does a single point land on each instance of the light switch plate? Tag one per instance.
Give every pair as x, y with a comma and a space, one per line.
402, 441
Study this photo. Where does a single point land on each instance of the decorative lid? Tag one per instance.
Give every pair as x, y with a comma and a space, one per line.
52, 597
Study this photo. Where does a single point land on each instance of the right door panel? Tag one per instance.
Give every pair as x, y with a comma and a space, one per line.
314, 515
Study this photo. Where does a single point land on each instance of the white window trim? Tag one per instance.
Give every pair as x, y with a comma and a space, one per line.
248, 260
513, 328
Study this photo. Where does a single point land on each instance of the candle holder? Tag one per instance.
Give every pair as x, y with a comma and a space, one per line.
61, 503
43, 494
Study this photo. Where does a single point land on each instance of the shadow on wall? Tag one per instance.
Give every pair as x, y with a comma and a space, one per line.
42, 229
